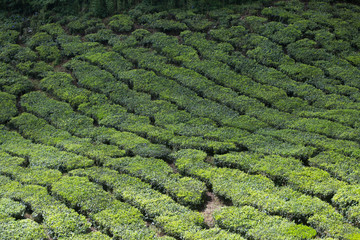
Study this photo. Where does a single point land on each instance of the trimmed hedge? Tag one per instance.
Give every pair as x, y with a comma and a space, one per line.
83, 25
40, 38
65, 118
39, 130
343, 116
60, 84
11, 208
325, 127
348, 200
286, 170
312, 139
194, 104
221, 74
90, 236
8, 107
212, 234
174, 218
71, 46
121, 23
260, 192
198, 83
32, 175
305, 51
36, 70
22, 229
54, 29
59, 220
14, 53
255, 224
159, 21
9, 36
270, 145
137, 78
102, 36
121, 219
185, 190
49, 54
12, 82
40, 155
343, 167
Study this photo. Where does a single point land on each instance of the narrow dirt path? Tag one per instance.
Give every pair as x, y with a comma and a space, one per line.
212, 205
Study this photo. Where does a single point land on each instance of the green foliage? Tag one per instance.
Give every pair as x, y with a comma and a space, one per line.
269, 54
198, 23
9, 36
36, 70
84, 25
301, 72
305, 50
60, 84
230, 35
40, 38
21, 229
40, 155
276, 95
139, 34
213, 234
11, 208
289, 170
58, 220
39, 130
185, 190
15, 53
78, 191
53, 29
167, 25
12, 166
72, 45
102, 36
254, 23
287, 35
8, 107
89, 236
12, 82
344, 116
191, 162
258, 225
49, 53
80, 125
121, 23
171, 216
354, 58
280, 14
326, 127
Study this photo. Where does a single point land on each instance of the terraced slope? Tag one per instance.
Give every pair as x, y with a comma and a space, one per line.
241, 123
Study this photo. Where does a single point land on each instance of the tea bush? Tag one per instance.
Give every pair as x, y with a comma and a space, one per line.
121, 23
8, 107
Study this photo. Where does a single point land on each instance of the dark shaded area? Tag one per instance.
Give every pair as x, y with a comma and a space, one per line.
103, 8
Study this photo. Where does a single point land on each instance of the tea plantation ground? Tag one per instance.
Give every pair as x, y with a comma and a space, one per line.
235, 123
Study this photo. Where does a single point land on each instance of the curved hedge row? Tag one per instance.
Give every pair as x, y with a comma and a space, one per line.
291, 171
261, 192
121, 219
39, 155
258, 225
65, 118
8, 107
185, 190
39, 130
58, 220
174, 218
143, 113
